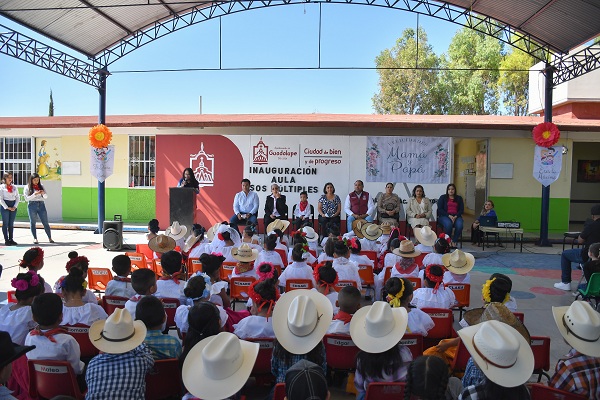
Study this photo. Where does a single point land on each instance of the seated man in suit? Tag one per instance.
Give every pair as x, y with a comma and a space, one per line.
275, 207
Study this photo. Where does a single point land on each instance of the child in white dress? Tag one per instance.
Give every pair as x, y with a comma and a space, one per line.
440, 247
434, 295
78, 262
269, 255
74, 310
458, 265
198, 290
298, 238
33, 259
347, 270
170, 285
16, 319
298, 269
211, 264
120, 285
399, 294
355, 256
326, 278
327, 253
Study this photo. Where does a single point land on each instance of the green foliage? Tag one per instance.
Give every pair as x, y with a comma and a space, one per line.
51, 106
514, 81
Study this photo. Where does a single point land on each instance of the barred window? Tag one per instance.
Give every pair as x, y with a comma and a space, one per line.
17, 157
142, 161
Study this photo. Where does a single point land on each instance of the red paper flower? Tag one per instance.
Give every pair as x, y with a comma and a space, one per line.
546, 134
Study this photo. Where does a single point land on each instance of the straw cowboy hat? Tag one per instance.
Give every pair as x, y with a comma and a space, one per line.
300, 320
176, 231
310, 234
426, 236
407, 250
496, 312
117, 334
500, 351
357, 225
218, 366
161, 243
278, 224
212, 231
579, 325
458, 261
244, 253
386, 228
371, 231
379, 327
190, 242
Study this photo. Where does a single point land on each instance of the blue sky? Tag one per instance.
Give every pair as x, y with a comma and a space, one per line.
284, 36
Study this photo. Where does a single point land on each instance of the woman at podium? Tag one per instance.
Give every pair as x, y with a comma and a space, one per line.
189, 180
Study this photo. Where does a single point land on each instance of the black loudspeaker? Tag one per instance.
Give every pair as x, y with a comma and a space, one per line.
112, 235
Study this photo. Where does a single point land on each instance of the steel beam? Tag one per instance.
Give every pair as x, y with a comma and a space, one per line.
570, 66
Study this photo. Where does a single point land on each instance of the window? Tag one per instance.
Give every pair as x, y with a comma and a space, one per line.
16, 156
142, 161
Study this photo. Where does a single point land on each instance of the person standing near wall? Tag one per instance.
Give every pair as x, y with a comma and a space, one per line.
9, 200
35, 194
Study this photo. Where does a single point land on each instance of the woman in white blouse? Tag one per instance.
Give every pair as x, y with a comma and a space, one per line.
419, 209
9, 200
35, 194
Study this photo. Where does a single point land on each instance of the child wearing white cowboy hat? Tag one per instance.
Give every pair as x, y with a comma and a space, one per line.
458, 265
177, 232
300, 320
298, 269
119, 371
281, 224
371, 233
503, 355
376, 331
245, 256
426, 237
311, 237
218, 367
579, 371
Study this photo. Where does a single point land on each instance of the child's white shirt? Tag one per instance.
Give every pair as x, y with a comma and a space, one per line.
181, 317
424, 249
310, 259
254, 326
66, 348
86, 314
119, 288
391, 259
432, 258
17, 323
368, 245
361, 259
297, 270
347, 271
324, 257
450, 277
333, 296
169, 289
419, 322
424, 297
132, 303
269, 256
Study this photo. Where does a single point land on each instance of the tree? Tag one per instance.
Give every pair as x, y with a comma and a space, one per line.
513, 82
404, 89
51, 106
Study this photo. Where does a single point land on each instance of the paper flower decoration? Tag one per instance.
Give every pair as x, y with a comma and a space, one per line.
546, 134
100, 136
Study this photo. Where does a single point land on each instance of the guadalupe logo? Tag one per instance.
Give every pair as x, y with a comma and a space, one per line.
203, 165
260, 153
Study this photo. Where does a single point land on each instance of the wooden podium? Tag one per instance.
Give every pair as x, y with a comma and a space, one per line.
182, 206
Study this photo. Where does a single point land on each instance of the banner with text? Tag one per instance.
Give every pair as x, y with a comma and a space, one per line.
547, 163
408, 159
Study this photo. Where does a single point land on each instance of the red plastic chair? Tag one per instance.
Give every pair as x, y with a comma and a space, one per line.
226, 270
540, 391
146, 251
366, 276
283, 254
238, 289
279, 392
48, 379
340, 352
372, 254
10, 296
170, 309
540, 345
460, 360
385, 391
293, 284
443, 319
462, 292
163, 381
414, 342
419, 259
416, 282
262, 366
80, 333
110, 303
138, 260
98, 278
157, 267
520, 316
342, 284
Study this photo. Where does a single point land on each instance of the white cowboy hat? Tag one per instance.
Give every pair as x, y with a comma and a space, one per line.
458, 261
579, 325
212, 231
244, 253
176, 231
218, 367
407, 250
117, 334
357, 225
426, 236
190, 241
371, 231
161, 243
301, 319
311, 235
281, 224
500, 351
379, 327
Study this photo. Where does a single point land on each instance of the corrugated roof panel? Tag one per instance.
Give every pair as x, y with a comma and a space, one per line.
513, 12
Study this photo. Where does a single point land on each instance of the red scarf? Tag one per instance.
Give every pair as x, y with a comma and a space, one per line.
36, 187
9, 188
343, 316
121, 279
408, 270
49, 334
173, 277
136, 298
303, 205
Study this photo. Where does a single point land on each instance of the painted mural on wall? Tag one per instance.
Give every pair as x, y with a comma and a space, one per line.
48, 158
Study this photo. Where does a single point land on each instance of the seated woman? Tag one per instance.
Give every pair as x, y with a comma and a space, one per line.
419, 209
486, 211
330, 208
389, 206
449, 213
302, 212
275, 207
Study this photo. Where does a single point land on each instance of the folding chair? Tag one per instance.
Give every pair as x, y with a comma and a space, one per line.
170, 309
98, 278
110, 303
193, 265
385, 391
138, 260
416, 282
146, 251
592, 290
540, 345
48, 379
460, 360
80, 333
372, 254
443, 319
342, 284
279, 392
539, 391
10, 296
414, 342
520, 316
283, 254
226, 270
293, 284
262, 366
340, 352
238, 289
163, 381
419, 259
365, 272
157, 267
462, 292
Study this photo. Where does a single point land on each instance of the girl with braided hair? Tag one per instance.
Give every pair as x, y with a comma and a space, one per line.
399, 294
197, 290
434, 294
347, 270
75, 311
203, 320
427, 379
269, 255
327, 253
81, 263
33, 260
300, 237
326, 278
298, 269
